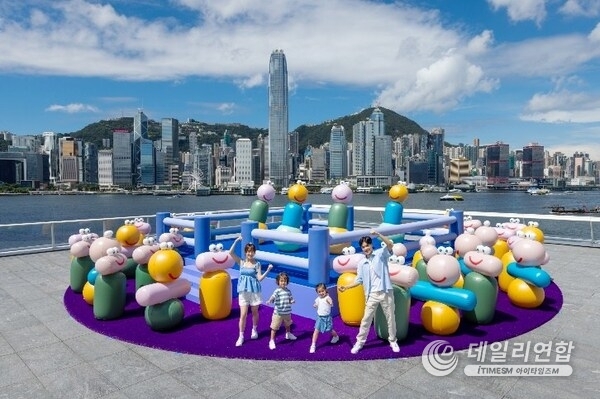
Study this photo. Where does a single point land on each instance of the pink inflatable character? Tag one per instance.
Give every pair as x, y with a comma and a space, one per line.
143, 227
141, 255
173, 236
470, 223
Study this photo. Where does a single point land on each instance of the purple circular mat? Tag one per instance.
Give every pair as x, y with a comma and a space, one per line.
199, 336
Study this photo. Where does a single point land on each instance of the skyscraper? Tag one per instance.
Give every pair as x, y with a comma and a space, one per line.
278, 120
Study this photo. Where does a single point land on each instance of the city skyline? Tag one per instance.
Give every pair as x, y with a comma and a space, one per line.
522, 72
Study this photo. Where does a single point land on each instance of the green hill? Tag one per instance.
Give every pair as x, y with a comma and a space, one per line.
315, 135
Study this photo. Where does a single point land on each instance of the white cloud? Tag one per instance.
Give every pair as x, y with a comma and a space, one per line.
439, 86
522, 10
581, 8
562, 107
226, 108
72, 108
594, 35
408, 57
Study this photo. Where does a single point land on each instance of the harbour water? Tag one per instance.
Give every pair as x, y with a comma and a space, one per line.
42, 208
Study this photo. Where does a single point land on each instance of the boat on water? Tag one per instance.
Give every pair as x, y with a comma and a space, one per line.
538, 191
284, 190
202, 191
580, 210
326, 190
369, 190
452, 197
247, 190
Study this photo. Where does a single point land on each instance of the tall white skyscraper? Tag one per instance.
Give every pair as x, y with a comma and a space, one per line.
278, 120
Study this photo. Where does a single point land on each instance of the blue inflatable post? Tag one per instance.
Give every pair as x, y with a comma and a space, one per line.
305, 218
201, 234
247, 228
160, 223
318, 255
458, 227
350, 221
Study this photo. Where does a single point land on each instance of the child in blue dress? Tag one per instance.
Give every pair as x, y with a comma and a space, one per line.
324, 322
248, 287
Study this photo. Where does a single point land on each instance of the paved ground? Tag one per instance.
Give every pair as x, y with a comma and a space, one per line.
46, 354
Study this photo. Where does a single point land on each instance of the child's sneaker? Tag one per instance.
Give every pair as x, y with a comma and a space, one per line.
334, 340
272, 344
239, 341
357, 347
254, 334
290, 336
312, 348
395, 347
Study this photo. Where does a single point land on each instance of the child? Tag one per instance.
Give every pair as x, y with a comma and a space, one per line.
324, 323
248, 287
282, 312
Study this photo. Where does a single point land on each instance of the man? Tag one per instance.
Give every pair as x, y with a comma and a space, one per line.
374, 276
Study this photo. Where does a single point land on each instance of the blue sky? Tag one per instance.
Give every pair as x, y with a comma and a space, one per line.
516, 71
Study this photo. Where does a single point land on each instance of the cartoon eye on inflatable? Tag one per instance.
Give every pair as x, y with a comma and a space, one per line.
166, 245
348, 251
484, 249
219, 247
173, 230
520, 234
149, 241
449, 251
498, 224
212, 248
383, 244
108, 234
81, 231
467, 218
87, 238
530, 235
128, 222
441, 250
531, 223
138, 220
269, 182
112, 251
393, 259
86, 231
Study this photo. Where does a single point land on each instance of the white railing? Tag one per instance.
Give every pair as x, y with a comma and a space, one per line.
35, 237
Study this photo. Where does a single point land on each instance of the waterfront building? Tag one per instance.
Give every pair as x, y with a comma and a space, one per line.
318, 165
497, 165
278, 146
140, 131
90, 163
50, 148
70, 160
147, 175
122, 159
169, 147
243, 162
435, 157
338, 153
105, 168
460, 168
533, 162
204, 166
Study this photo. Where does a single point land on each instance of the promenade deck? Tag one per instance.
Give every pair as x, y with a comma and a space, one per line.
44, 353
